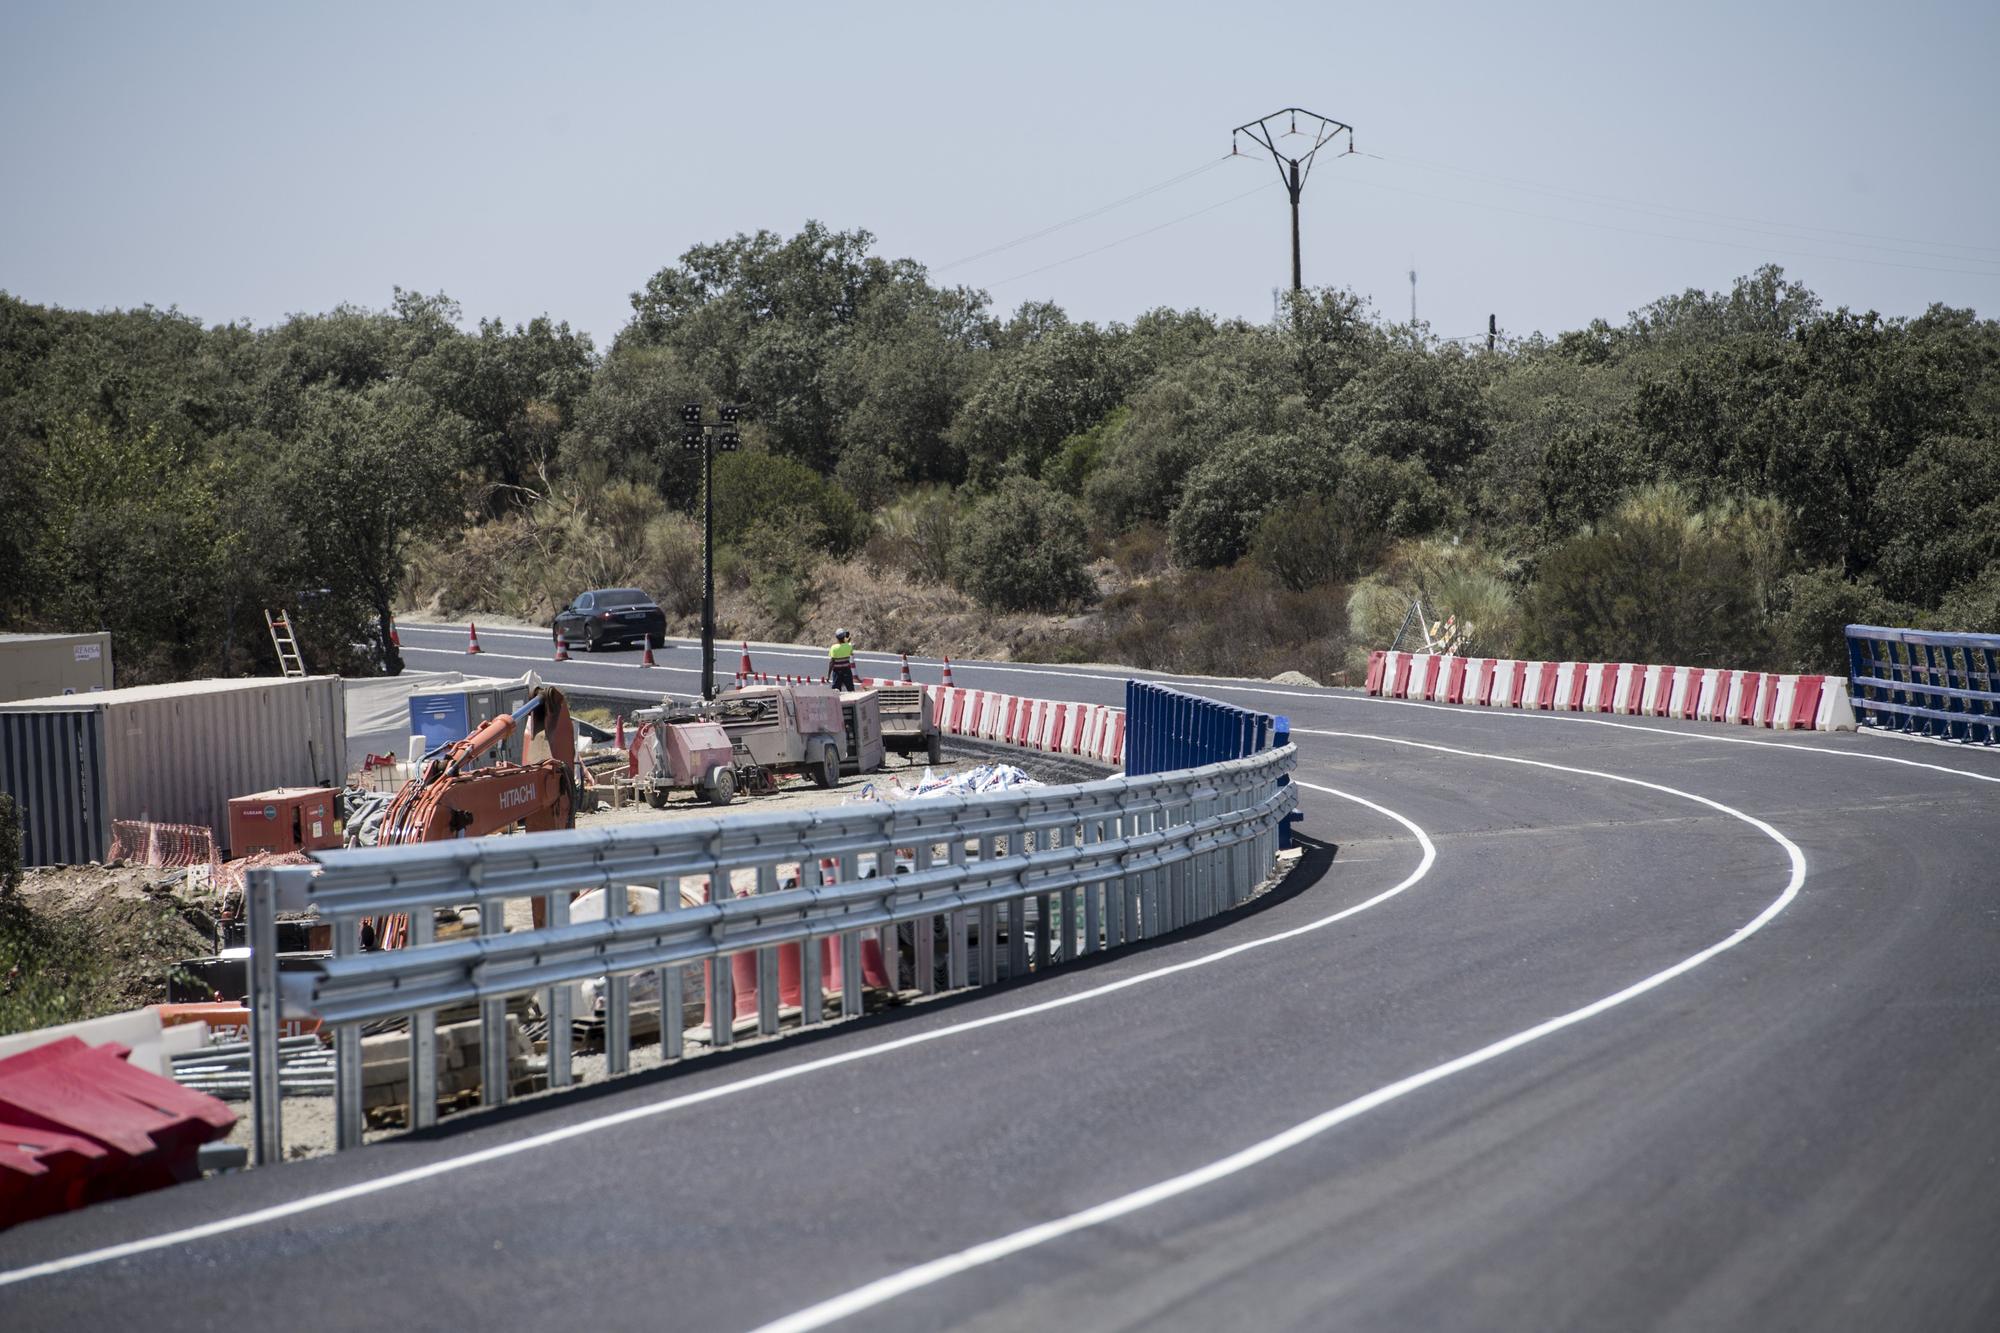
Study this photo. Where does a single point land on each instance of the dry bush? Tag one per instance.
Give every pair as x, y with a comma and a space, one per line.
1228, 622
1454, 579
530, 563
915, 534
1141, 553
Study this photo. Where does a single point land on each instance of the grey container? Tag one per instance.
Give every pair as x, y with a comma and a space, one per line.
171, 754
33, 666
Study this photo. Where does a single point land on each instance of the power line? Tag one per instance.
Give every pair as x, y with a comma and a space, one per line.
1174, 222
1674, 236
1099, 211
1683, 213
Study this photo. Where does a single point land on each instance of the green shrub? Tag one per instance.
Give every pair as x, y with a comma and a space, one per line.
1082, 454
1654, 582
49, 970
1974, 606
1815, 607
752, 486
1022, 549
10, 843
1308, 542
1226, 497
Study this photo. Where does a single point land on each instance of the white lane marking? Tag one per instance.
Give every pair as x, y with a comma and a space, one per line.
910, 1279
420, 1173
549, 662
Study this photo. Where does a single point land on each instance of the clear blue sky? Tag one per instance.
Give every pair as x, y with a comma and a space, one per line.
243, 161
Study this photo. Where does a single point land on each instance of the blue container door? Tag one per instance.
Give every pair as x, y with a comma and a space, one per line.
439, 718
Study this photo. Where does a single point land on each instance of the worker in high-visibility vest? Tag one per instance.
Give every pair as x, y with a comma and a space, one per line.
840, 661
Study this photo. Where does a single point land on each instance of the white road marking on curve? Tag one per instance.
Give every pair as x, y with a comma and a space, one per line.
887, 1288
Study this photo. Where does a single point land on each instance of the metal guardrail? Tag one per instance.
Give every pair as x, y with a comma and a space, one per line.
1942, 685
1074, 868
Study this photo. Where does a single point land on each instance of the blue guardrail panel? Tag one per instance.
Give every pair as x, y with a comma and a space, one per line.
1168, 729
1945, 686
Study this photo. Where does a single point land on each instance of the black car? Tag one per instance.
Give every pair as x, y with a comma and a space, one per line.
611, 615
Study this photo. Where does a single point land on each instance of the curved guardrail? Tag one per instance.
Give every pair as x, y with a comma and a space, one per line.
1059, 872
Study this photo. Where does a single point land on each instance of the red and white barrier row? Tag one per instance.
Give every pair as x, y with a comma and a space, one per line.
1090, 731
1696, 694
779, 678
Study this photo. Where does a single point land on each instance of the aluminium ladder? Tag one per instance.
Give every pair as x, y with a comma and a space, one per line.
287, 644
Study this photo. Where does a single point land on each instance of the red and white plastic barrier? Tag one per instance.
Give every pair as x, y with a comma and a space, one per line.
1778, 701
1088, 731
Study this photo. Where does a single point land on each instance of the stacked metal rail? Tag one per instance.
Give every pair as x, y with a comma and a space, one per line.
1945, 686
1116, 861
305, 1067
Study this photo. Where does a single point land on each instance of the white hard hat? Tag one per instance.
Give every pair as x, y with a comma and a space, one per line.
840, 634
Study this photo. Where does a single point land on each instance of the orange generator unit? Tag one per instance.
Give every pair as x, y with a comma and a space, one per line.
284, 819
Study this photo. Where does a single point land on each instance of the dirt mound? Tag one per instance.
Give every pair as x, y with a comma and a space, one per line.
78, 941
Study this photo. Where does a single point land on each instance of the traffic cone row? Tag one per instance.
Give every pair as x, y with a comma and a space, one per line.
472, 638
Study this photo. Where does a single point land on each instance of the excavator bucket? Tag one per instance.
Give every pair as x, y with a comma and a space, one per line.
548, 733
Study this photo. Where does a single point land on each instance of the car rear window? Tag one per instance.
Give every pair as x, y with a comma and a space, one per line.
622, 597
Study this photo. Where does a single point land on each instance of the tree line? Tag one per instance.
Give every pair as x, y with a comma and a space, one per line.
1720, 478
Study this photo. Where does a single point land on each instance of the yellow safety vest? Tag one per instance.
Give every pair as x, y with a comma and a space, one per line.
840, 653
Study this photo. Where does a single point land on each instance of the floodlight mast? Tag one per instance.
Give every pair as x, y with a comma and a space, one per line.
1292, 171
698, 434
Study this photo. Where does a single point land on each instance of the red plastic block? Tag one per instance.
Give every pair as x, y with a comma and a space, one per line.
1454, 680
1691, 701
1746, 705
1805, 702
1607, 686
1431, 669
1376, 661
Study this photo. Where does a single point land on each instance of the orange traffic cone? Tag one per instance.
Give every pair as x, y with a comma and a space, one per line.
562, 649
619, 741
647, 660
472, 638
746, 669
947, 668
395, 639
906, 668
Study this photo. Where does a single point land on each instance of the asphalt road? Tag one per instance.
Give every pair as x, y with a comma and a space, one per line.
1583, 1023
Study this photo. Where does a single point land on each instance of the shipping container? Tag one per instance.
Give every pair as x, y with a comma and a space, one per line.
171, 754
35, 666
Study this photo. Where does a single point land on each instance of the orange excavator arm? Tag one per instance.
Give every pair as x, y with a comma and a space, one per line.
447, 801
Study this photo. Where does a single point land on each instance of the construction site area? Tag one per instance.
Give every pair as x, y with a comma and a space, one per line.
136, 813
